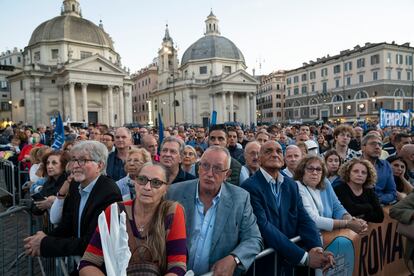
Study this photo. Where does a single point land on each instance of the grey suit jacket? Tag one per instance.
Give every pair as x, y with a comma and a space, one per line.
235, 229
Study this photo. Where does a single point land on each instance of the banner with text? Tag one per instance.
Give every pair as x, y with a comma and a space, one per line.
379, 252
398, 118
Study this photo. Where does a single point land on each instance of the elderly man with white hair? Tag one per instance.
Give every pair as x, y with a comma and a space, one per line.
293, 155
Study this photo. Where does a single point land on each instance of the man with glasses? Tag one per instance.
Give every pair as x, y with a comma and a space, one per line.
95, 134
116, 159
172, 150
89, 195
251, 155
385, 188
223, 236
281, 216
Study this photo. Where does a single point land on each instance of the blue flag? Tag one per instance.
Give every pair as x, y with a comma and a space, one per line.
59, 134
160, 130
213, 118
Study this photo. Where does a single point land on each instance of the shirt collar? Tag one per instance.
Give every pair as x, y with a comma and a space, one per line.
215, 199
269, 178
88, 188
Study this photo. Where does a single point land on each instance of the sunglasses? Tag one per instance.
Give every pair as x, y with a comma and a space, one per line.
155, 183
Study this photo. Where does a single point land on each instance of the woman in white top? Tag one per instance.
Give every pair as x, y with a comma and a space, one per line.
320, 200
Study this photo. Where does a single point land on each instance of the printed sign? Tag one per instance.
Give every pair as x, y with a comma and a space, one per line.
398, 118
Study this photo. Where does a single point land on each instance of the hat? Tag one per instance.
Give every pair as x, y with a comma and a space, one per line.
313, 148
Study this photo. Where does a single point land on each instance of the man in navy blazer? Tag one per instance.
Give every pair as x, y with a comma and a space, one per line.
222, 232
281, 216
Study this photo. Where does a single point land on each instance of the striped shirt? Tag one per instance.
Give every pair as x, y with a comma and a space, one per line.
176, 249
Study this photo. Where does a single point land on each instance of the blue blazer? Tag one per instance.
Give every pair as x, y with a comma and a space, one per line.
278, 225
235, 230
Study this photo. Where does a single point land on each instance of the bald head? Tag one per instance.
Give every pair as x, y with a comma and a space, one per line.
407, 152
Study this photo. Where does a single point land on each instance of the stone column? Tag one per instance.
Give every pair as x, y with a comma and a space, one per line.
121, 106
223, 105
127, 104
72, 100
38, 116
211, 104
110, 105
254, 108
231, 107
247, 109
193, 109
85, 102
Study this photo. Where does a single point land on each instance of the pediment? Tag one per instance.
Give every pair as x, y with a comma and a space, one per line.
95, 63
240, 76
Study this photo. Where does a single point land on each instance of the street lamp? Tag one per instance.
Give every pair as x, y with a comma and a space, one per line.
11, 110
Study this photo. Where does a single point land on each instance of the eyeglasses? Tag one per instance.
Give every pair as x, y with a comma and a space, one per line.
135, 161
375, 144
216, 169
81, 162
318, 170
155, 183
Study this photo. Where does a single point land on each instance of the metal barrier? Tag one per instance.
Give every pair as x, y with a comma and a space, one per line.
22, 177
7, 180
262, 254
15, 225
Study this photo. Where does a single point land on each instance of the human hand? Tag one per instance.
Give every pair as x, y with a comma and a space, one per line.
357, 225
65, 187
45, 204
330, 262
224, 267
316, 258
32, 244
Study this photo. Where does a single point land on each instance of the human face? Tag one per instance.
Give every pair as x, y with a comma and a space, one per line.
343, 139
210, 182
251, 155
283, 139
398, 168
313, 173
332, 164
107, 141
189, 157
271, 156
372, 149
122, 139
134, 163
262, 138
217, 138
87, 173
232, 138
170, 155
143, 132
145, 194
404, 141
150, 144
304, 130
302, 137
292, 158
240, 135
54, 166
250, 136
95, 134
321, 139
358, 174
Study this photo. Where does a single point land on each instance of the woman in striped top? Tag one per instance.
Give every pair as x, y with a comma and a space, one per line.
155, 224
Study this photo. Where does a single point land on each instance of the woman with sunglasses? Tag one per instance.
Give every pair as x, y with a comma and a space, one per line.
356, 192
155, 227
319, 198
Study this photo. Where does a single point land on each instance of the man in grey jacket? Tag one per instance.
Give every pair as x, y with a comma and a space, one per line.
222, 232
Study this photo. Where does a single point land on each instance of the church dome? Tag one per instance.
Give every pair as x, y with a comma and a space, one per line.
212, 45
72, 28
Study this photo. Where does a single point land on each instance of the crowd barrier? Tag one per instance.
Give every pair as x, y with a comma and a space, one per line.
8, 186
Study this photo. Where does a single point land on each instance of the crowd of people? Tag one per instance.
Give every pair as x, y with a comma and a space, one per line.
211, 199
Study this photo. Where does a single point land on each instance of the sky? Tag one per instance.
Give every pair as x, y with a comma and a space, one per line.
272, 34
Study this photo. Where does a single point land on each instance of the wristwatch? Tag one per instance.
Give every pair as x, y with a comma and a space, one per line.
236, 259
60, 195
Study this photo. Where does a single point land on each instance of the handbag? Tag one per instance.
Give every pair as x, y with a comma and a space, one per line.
407, 230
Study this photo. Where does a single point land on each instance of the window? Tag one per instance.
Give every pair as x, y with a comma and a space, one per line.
55, 53
399, 75
304, 89
338, 109
388, 58
360, 62
227, 70
84, 54
313, 87
361, 78
296, 91
277, 96
312, 75
348, 81
348, 66
3, 84
304, 77
375, 75
288, 81
324, 72
399, 59
278, 105
375, 59
337, 69
409, 60
324, 87
295, 79
5, 106
389, 74
288, 92
36, 56
21, 84
203, 70
19, 59
277, 87
409, 75
336, 83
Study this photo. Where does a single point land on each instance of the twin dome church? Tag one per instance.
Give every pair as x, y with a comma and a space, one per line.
71, 67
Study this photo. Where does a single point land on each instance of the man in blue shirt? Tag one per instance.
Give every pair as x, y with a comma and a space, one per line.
385, 188
116, 159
